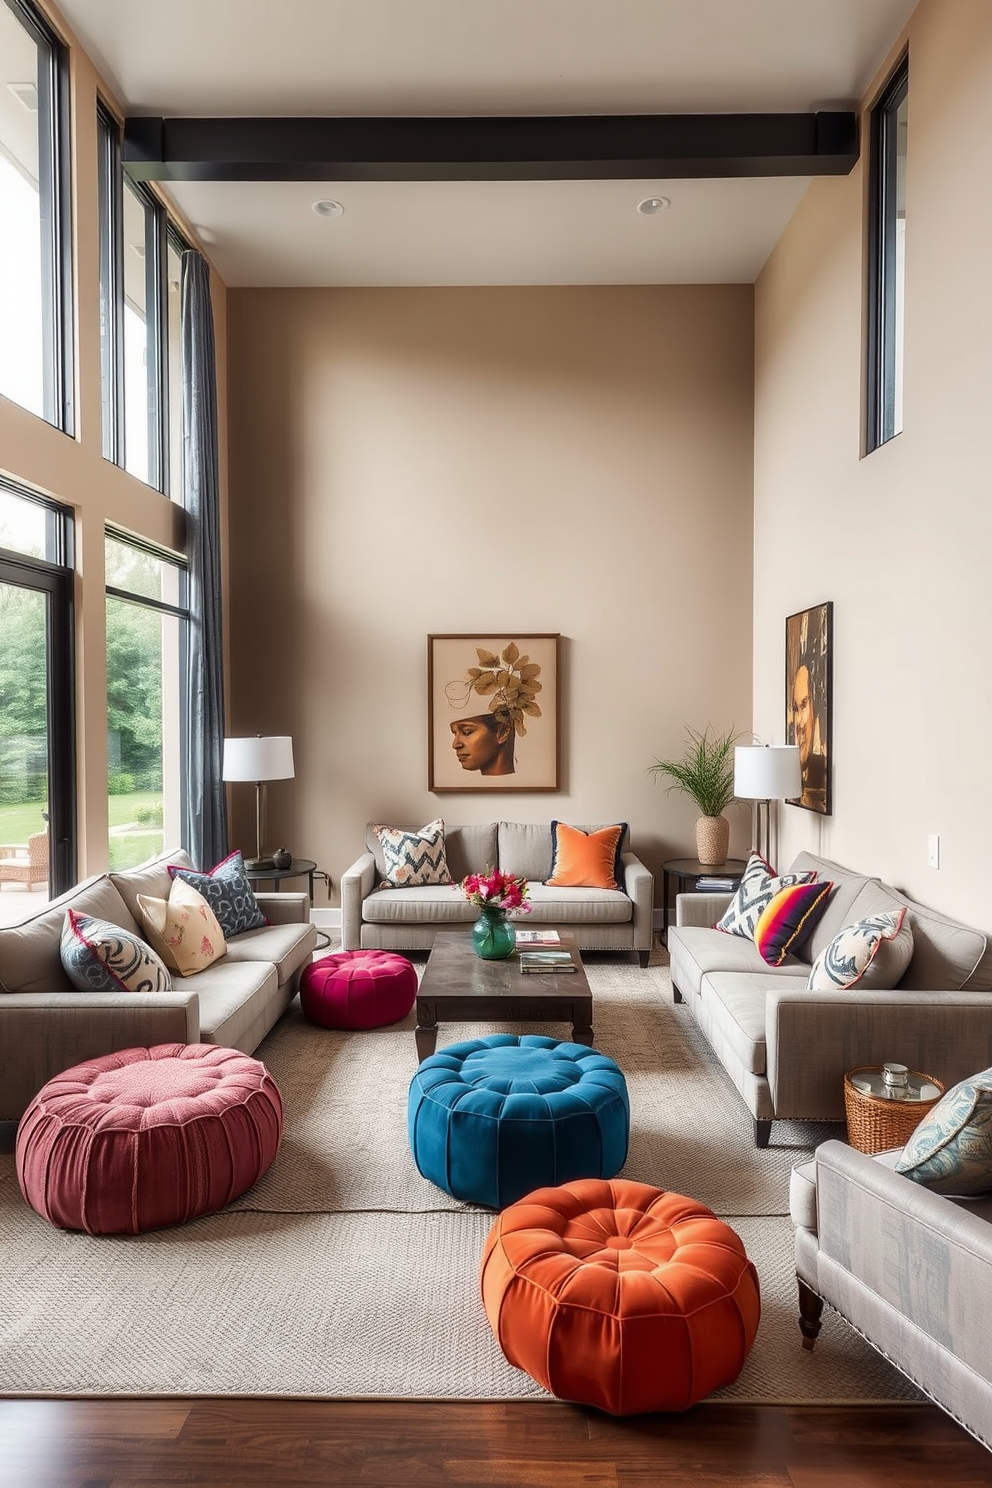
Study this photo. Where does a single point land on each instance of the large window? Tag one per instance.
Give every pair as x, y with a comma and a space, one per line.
146, 699
139, 297
35, 270
887, 259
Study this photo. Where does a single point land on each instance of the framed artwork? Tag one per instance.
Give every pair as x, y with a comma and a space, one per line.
808, 687
492, 712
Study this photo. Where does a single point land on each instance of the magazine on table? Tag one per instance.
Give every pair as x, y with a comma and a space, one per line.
538, 938
546, 961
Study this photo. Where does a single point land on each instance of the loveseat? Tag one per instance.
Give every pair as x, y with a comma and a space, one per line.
909, 1268
47, 1026
377, 916
787, 1049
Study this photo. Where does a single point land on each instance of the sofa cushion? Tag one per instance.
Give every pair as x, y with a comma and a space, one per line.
872, 953
182, 929
736, 1000
287, 947
152, 878
587, 906
29, 952
758, 886
427, 904
696, 950
787, 918
525, 848
585, 860
951, 1149
227, 891
100, 957
946, 954
414, 859
470, 849
231, 995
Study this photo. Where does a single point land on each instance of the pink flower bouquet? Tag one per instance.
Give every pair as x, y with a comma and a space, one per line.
496, 890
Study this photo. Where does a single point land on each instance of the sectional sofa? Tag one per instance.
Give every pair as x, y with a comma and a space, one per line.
787, 1049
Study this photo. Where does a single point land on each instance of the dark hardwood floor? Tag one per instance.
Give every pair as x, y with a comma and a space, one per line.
257, 1443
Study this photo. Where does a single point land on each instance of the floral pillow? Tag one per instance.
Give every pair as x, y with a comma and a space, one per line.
757, 888
183, 929
228, 892
101, 957
951, 1150
414, 859
873, 953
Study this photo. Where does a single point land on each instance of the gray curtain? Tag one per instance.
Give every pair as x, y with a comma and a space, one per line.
207, 801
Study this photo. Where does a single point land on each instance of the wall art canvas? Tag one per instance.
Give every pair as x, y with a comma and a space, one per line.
808, 704
492, 712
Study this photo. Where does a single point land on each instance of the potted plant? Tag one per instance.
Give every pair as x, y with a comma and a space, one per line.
706, 773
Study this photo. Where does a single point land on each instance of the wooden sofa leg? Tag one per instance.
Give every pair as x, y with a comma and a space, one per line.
643, 956
762, 1132
810, 1311
676, 994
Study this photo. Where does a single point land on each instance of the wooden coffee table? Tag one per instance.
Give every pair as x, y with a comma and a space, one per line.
459, 987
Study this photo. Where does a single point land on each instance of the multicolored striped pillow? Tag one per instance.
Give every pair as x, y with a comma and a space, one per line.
787, 917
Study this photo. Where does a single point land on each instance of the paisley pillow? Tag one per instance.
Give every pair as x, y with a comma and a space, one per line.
950, 1151
873, 953
757, 888
228, 892
101, 957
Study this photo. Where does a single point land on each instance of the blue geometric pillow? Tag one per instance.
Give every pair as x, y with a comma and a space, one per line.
228, 892
100, 957
951, 1149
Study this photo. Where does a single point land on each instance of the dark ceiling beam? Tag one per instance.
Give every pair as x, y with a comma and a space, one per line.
580, 148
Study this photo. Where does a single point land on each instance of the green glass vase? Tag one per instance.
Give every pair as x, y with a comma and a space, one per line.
493, 937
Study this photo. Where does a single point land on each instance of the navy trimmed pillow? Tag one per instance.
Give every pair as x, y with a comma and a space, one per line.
228, 892
586, 860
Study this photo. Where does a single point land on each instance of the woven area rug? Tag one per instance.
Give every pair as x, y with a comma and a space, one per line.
343, 1273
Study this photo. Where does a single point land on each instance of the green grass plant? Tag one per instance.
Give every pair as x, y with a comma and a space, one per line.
705, 772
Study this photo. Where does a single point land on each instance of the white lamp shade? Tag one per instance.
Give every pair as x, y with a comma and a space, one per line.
767, 772
256, 759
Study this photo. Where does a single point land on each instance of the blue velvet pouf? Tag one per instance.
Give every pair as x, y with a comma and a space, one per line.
492, 1119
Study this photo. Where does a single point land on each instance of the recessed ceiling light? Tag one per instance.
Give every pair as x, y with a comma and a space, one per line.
652, 205
328, 209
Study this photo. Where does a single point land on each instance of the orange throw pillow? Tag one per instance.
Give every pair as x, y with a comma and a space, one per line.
585, 860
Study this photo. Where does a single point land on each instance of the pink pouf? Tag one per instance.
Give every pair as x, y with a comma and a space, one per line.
148, 1137
358, 989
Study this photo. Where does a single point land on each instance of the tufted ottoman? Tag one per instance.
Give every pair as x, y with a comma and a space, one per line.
148, 1137
358, 989
490, 1119
619, 1295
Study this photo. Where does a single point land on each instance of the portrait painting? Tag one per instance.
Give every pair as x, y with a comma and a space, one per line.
808, 660
492, 712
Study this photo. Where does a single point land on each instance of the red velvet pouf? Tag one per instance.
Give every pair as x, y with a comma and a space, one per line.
358, 989
144, 1138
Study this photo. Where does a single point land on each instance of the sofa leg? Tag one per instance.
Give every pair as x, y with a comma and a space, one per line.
643, 956
810, 1311
676, 994
762, 1132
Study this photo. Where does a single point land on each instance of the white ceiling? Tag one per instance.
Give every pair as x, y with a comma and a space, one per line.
451, 57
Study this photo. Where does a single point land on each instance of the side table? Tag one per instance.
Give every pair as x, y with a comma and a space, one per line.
687, 871
298, 868
881, 1115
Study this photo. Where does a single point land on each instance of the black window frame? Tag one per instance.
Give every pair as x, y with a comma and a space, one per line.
882, 216
54, 195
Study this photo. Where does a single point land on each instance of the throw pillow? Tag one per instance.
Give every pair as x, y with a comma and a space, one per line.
414, 859
757, 888
951, 1149
100, 957
873, 953
586, 860
787, 918
228, 892
183, 929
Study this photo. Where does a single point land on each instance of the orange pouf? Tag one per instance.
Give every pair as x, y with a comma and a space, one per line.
621, 1296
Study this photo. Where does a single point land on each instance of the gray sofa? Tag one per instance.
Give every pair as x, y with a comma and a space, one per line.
786, 1049
408, 918
910, 1269
46, 1026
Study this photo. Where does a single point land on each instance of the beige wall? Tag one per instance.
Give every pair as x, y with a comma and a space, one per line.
900, 540
73, 470
455, 460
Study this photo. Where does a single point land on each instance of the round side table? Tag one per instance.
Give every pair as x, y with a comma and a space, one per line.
879, 1115
688, 871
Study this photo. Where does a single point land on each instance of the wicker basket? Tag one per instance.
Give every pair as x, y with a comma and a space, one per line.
874, 1123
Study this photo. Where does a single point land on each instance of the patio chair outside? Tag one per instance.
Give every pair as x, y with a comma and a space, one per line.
25, 864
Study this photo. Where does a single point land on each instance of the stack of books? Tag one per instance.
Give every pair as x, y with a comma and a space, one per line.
554, 962
712, 884
529, 938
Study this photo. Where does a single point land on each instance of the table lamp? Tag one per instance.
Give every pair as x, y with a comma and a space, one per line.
764, 773
259, 759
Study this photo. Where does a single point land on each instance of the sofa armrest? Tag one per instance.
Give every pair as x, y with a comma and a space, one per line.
702, 910
357, 884
285, 909
813, 1038
638, 885
44, 1033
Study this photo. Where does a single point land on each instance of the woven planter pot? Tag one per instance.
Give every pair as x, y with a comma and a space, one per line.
712, 840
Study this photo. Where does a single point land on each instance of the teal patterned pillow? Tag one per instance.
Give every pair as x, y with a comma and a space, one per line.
100, 957
228, 892
950, 1151
755, 892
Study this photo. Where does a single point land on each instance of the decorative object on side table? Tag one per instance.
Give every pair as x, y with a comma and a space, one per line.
494, 894
282, 858
259, 759
885, 1104
706, 773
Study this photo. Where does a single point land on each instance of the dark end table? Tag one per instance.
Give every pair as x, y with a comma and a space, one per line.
688, 871
298, 868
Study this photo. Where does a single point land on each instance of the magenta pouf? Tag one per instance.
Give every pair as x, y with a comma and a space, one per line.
144, 1138
358, 989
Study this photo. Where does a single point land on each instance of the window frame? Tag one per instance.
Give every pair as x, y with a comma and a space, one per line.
882, 317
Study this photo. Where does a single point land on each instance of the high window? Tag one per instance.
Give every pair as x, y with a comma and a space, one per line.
140, 256
147, 623
887, 259
35, 268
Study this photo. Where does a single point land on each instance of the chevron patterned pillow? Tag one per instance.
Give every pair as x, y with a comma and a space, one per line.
414, 859
756, 890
